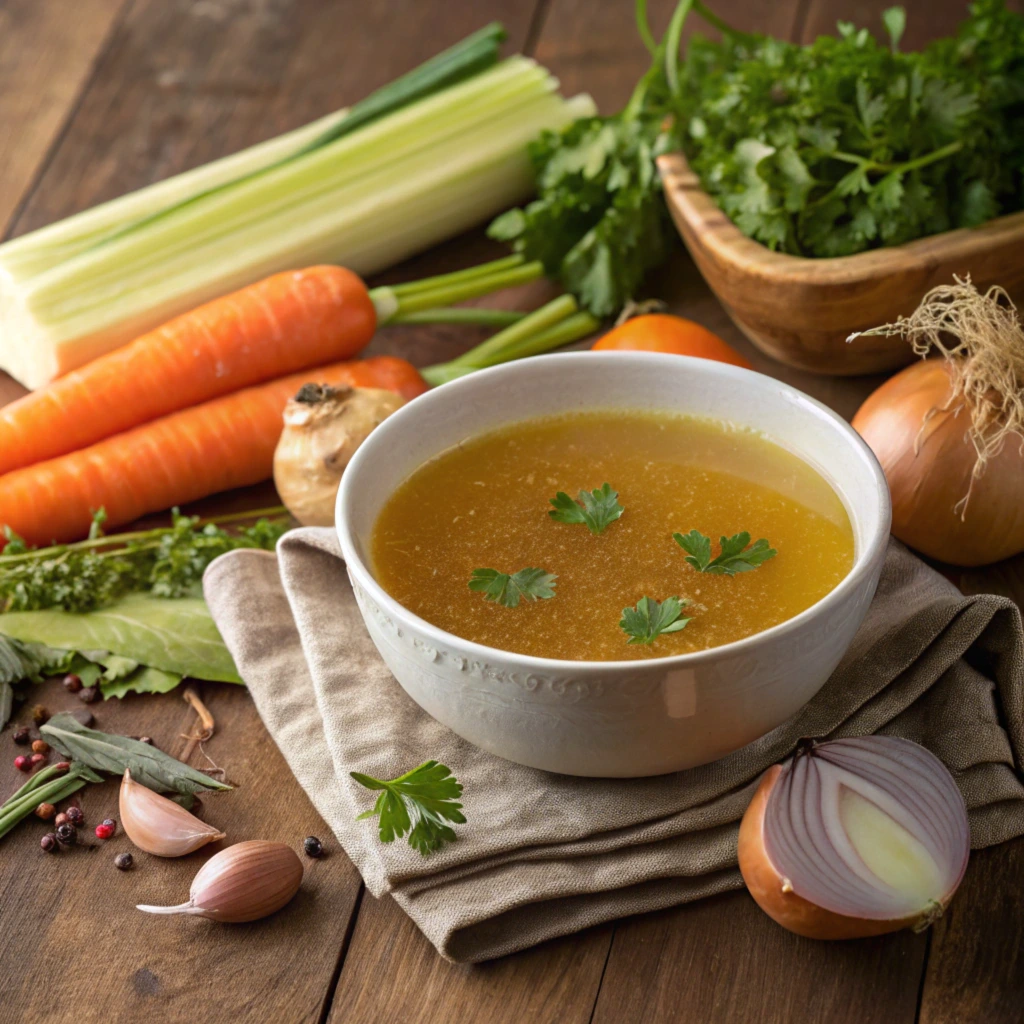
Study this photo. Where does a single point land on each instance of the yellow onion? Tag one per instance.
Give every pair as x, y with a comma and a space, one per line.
949, 433
245, 882
941, 506
855, 837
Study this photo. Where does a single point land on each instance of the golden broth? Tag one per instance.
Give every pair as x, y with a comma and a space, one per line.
485, 504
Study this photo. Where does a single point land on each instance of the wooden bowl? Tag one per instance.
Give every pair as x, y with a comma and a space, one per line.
801, 311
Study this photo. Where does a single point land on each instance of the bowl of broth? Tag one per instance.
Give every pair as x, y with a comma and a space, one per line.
525, 547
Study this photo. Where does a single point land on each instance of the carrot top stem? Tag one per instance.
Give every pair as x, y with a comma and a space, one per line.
549, 327
461, 315
395, 302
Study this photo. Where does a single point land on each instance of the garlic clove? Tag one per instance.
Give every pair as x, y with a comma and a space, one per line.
245, 882
160, 826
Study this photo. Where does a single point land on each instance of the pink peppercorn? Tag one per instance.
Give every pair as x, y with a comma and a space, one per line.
106, 828
23, 763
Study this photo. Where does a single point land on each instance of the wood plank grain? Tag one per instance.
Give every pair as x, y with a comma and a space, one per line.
47, 52
185, 82
723, 960
69, 923
392, 973
976, 963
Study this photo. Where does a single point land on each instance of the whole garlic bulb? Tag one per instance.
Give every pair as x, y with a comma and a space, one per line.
323, 426
245, 882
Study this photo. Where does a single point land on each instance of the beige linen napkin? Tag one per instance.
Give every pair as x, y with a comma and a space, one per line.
544, 855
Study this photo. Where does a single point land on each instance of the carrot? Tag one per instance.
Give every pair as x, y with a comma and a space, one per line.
659, 332
282, 324
224, 443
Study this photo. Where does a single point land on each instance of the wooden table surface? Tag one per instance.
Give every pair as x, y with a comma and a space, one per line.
98, 97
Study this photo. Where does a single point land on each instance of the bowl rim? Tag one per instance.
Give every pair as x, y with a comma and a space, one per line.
863, 567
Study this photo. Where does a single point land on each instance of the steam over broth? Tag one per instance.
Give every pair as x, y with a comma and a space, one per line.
485, 503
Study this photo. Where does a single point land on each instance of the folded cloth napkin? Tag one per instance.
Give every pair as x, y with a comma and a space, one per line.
544, 855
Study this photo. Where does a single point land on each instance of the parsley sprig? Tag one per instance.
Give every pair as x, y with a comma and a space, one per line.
649, 619
528, 584
733, 557
167, 562
848, 143
421, 803
597, 509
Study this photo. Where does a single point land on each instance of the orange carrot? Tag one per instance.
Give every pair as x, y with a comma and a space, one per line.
282, 324
224, 443
660, 332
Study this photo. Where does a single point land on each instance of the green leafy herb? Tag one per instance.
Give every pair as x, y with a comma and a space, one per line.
733, 557
848, 144
649, 619
106, 752
598, 509
175, 635
28, 662
167, 562
599, 223
527, 584
419, 803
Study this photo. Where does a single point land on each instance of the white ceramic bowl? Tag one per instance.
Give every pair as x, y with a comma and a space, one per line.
626, 718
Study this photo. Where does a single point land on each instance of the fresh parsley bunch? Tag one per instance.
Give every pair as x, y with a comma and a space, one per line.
848, 144
599, 223
168, 562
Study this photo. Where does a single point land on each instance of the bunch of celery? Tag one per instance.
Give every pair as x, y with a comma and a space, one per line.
424, 158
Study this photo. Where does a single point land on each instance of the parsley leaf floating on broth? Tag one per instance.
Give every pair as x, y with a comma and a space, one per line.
527, 584
734, 557
598, 509
649, 619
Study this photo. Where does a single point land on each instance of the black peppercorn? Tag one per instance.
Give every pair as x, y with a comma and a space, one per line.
72, 683
40, 715
123, 861
313, 846
88, 694
48, 844
75, 815
22, 736
66, 834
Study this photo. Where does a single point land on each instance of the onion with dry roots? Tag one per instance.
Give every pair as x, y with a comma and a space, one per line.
323, 427
949, 432
855, 837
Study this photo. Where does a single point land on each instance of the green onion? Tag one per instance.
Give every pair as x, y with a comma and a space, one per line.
431, 155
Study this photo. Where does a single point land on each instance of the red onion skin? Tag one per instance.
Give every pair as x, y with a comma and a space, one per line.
786, 908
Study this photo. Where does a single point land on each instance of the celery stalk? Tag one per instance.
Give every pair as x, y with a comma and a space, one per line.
366, 199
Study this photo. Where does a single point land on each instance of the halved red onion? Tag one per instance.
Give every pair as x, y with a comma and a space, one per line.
855, 837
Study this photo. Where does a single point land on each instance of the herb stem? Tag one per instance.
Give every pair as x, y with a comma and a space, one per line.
899, 168
122, 539
448, 315
716, 22
673, 38
643, 26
